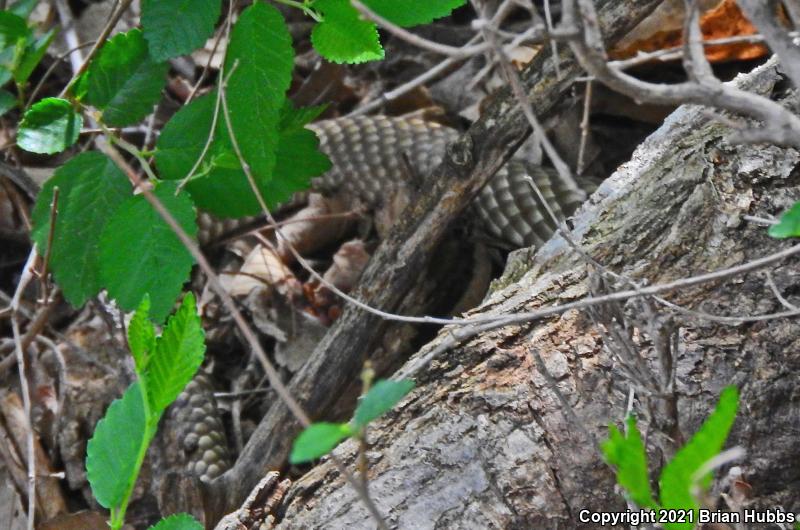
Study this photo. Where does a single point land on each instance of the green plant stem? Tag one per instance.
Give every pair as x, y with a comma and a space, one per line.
118, 514
21, 95
151, 425
367, 378
131, 150
112, 22
305, 7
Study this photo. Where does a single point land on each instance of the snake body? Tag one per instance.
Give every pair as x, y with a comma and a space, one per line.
371, 155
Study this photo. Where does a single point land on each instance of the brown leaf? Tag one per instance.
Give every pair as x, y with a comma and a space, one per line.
84, 520
320, 224
12, 512
348, 264
664, 29
49, 500
263, 269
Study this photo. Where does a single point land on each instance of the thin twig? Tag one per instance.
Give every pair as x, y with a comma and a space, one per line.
194, 250
360, 491
69, 32
50, 234
215, 117
780, 127
27, 276
484, 325
676, 52
587, 104
101, 39
40, 320
564, 172
416, 40
763, 14
207, 67
548, 17
49, 71
395, 93
502, 12
784, 302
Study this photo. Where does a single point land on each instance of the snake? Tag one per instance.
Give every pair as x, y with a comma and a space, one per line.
369, 155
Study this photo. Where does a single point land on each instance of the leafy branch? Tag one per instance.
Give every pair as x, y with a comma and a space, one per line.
164, 365
686, 476
320, 438
100, 222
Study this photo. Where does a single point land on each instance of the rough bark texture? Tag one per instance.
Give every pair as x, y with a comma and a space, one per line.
395, 267
484, 442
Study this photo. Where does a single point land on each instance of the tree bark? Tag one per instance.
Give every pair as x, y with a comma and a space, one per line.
395, 267
491, 440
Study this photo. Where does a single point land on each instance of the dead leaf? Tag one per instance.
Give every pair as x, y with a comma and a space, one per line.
320, 224
84, 520
520, 56
263, 270
12, 512
49, 500
348, 264
664, 29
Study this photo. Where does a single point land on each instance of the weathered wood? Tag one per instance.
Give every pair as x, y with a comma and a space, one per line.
394, 268
484, 441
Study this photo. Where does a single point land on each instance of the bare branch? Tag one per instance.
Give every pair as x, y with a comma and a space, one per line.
415, 40
763, 14
694, 56
780, 126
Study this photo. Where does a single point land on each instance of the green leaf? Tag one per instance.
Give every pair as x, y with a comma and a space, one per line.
412, 12
628, 455
140, 254
12, 29
180, 521
113, 451
223, 188
80, 87
32, 56
789, 224
123, 81
676, 478
91, 188
379, 400
178, 354
49, 126
343, 36
297, 118
23, 8
7, 101
317, 440
299, 157
5, 73
177, 27
259, 61
142, 336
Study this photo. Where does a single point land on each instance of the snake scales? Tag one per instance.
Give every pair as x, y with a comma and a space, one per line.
371, 154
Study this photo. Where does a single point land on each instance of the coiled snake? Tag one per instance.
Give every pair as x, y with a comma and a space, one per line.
374, 154
370, 155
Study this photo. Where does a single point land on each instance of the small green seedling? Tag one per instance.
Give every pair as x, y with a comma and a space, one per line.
20, 51
679, 481
789, 224
320, 438
164, 365
99, 220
